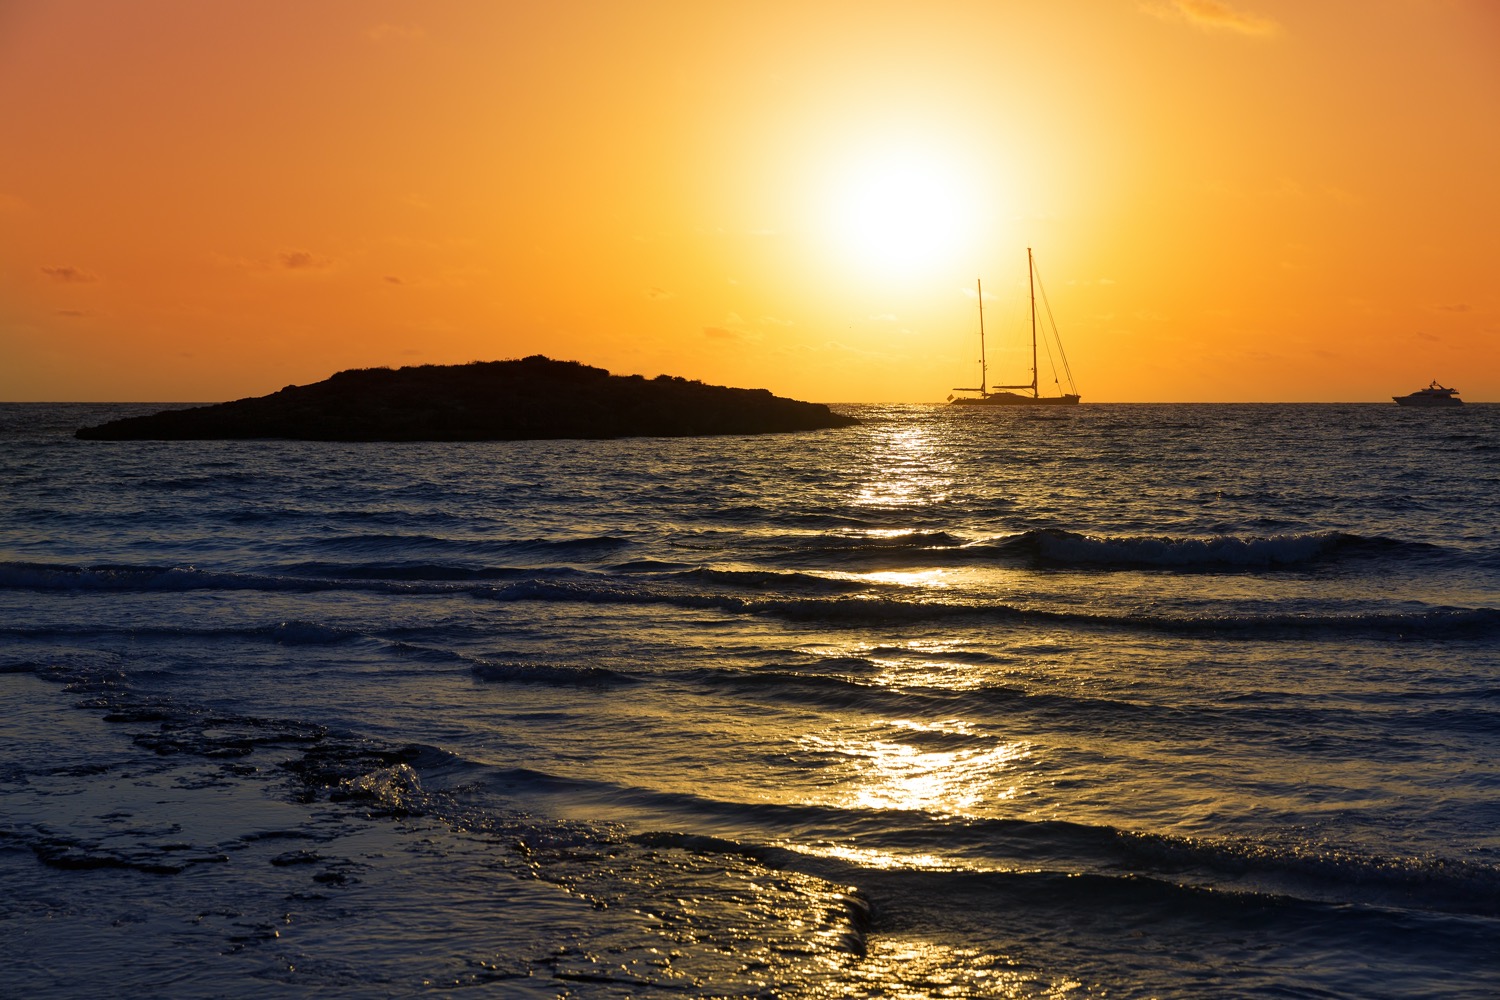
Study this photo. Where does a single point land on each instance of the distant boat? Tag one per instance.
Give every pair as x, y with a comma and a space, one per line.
988, 398
1433, 395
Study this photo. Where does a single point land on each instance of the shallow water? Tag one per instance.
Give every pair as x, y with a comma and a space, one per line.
1163, 701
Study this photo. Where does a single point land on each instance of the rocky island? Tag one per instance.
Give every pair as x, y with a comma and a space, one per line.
534, 397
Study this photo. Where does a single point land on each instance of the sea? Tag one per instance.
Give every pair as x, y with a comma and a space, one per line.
1169, 701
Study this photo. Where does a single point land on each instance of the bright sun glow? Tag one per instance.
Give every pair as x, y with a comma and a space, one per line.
896, 212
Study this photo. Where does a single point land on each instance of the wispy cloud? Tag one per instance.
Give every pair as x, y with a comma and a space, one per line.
1213, 15
68, 274
297, 260
735, 327
656, 294
1455, 307
302, 260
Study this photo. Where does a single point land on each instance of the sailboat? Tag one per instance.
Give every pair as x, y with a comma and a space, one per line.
1007, 398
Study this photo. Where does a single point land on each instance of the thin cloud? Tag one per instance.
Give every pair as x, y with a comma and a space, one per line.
1455, 307
733, 327
1213, 15
285, 260
302, 260
68, 274
658, 294
73, 313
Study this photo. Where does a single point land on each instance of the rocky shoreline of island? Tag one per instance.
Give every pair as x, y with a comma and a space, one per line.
530, 398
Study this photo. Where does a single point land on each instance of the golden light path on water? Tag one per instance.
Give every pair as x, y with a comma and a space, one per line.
943, 767
946, 767
931, 579
910, 469
898, 775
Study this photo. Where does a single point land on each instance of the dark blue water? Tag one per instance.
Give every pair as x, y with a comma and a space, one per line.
1126, 701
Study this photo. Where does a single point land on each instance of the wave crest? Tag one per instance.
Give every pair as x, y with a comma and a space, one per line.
1057, 547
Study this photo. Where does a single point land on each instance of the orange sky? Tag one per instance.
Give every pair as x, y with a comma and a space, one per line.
1228, 199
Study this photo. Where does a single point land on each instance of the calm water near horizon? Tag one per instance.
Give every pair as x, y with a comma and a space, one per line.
1119, 700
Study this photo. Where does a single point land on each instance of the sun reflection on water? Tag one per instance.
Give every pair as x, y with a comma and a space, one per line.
932, 579
945, 768
906, 967
867, 857
908, 664
910, 470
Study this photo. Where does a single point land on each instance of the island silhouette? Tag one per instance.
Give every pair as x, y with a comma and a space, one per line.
530, 398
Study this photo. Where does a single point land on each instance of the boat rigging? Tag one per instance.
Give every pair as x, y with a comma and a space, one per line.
1005, 397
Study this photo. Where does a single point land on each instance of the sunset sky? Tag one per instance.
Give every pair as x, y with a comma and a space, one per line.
1274, 200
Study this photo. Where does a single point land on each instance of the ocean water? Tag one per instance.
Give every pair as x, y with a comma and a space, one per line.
1111, 701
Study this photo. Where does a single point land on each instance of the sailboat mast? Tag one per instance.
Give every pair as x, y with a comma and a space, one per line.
984, 377
1031, 282
1003, 396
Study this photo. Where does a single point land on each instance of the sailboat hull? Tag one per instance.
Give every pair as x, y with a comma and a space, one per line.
1013, 399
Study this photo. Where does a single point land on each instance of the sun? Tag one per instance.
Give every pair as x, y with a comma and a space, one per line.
900, 211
